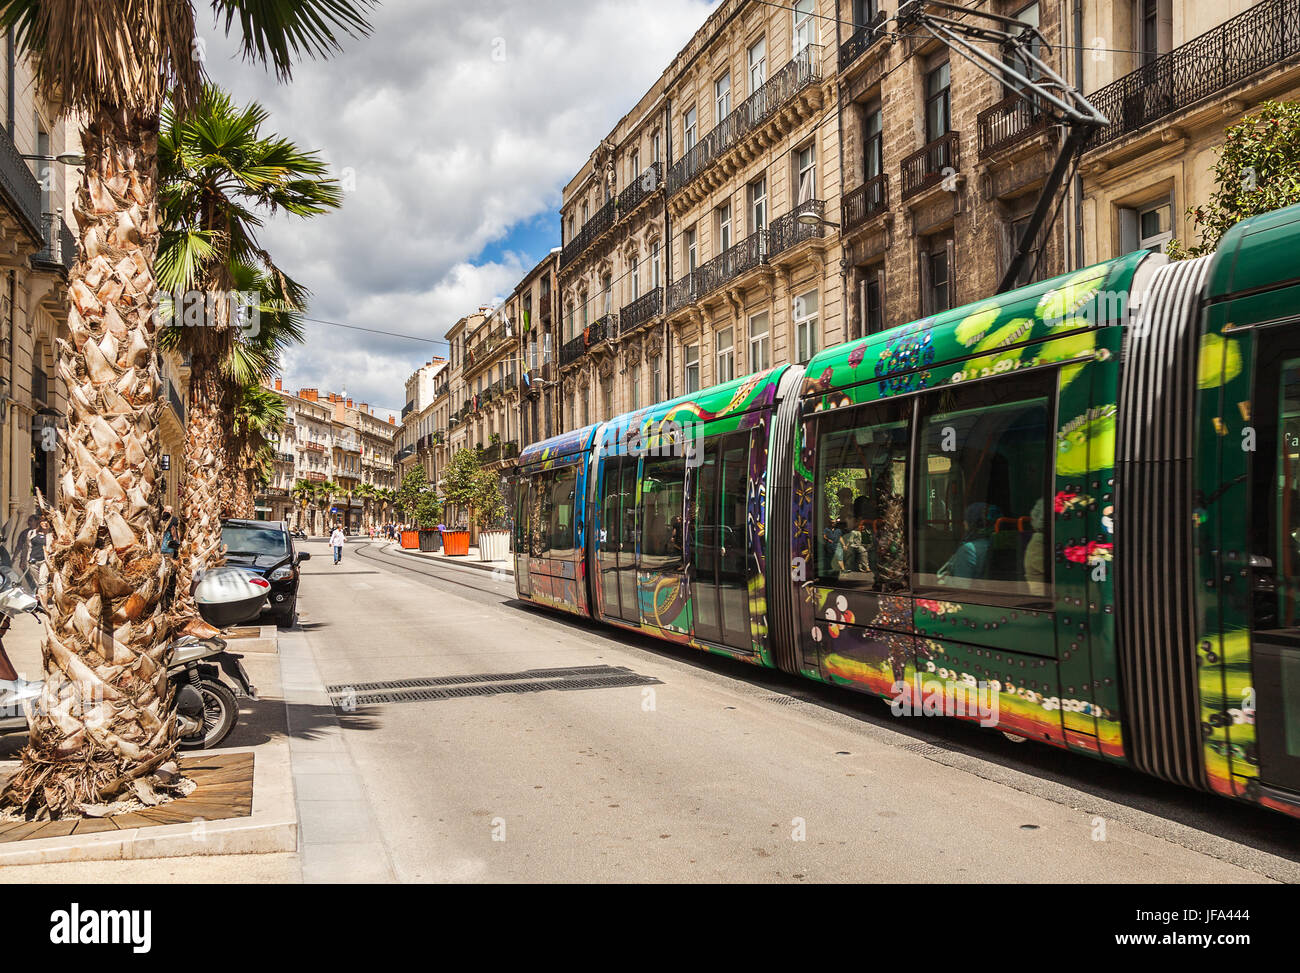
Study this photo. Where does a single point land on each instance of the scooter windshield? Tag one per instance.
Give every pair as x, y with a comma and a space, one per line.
22, 546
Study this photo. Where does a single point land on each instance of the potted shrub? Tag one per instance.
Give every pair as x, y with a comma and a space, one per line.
427, 512
490, 506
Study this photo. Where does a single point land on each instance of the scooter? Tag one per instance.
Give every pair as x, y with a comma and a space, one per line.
206, 708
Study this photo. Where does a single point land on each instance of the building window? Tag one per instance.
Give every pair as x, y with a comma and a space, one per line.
634, 166
724, 227
872, 298
656, 376
760, 356
1030, 18
722, 97
805, 30
806, 170
1146, 227
938, 103
690, 129
725, 344
936, 275
864, 11
654, 264
691, 368
607, 285
635, 383
654, 145
873, 143
757, 64
635, 273
758, 205
692, 252
1033, 269
582, 303
586, 209
806, 322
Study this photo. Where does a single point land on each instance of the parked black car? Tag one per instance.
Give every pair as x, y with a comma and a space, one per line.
265, 546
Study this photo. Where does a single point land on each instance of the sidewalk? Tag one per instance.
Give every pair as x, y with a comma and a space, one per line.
471, 560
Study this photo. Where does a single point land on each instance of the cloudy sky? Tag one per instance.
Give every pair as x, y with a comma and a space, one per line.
455, 126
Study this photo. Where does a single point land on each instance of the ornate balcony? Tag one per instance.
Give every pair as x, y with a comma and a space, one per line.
19, 189
500, 452
786, 231
591, 230
601, 329
645, 308
1010, 121
749, 253
1217, 60
861, 39
802, 70
60, 250
928, 165
868, 200
641, 189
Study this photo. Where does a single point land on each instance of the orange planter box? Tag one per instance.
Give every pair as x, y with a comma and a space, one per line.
411, 539
455, 543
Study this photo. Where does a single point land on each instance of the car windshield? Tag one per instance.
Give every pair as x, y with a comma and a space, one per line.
253, 540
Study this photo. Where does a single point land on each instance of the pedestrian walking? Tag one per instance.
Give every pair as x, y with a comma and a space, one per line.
337, 540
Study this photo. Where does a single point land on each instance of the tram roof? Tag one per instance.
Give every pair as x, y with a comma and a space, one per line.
1256, 254
565, 444
1092, 297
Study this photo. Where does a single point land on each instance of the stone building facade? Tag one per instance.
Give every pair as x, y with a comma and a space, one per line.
1172, 75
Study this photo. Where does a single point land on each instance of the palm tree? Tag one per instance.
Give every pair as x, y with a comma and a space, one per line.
324, 496
106, 716
302, 492
258, 413
367, 493
218, 177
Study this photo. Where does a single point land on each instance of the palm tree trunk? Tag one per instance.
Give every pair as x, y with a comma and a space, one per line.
205, 461
105, 718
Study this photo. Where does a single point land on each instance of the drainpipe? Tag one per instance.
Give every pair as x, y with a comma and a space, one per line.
9, 87
839, 132
668, 247
1078, 177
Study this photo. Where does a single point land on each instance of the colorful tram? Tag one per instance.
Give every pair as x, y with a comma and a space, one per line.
1081, 498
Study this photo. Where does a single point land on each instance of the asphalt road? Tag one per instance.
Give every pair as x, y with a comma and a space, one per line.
701, 769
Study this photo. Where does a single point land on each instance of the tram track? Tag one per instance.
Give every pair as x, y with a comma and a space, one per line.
1242, 835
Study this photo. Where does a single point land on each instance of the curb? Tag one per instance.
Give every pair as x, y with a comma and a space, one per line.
455, 562
271, 828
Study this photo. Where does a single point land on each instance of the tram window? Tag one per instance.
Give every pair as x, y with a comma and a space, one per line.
539, 516
983, 504
1275, 500
663, 487
860, 498
562, 506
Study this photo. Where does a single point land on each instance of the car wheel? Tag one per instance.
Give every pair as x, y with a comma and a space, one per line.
288, 615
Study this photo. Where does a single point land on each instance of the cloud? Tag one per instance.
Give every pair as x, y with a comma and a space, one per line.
455, 126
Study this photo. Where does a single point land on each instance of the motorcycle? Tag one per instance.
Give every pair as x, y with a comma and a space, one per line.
207, 709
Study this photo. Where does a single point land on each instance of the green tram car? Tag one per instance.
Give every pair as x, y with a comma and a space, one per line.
1077, 503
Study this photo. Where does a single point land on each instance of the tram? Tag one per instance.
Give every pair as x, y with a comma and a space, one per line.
1080, 498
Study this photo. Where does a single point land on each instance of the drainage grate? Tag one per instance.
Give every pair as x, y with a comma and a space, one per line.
362, 687
924, 749
784, 700
488, 684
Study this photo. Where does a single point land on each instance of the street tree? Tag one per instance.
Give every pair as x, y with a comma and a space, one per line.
1258, 171
106, 718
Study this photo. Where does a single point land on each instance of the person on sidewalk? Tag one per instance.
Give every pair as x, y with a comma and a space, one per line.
337, 540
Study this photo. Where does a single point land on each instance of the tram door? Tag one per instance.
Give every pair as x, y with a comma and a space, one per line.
719, 594
1275, 563
662, 591
523, 487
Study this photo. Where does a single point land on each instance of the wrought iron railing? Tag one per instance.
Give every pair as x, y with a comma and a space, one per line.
22, 189
861, 39
1218, 59
645, 308
498, 451
640, 189
1011, 120
601, 329
786, 231
866, 201
803, 70
602, 220
929, 164
60, 248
